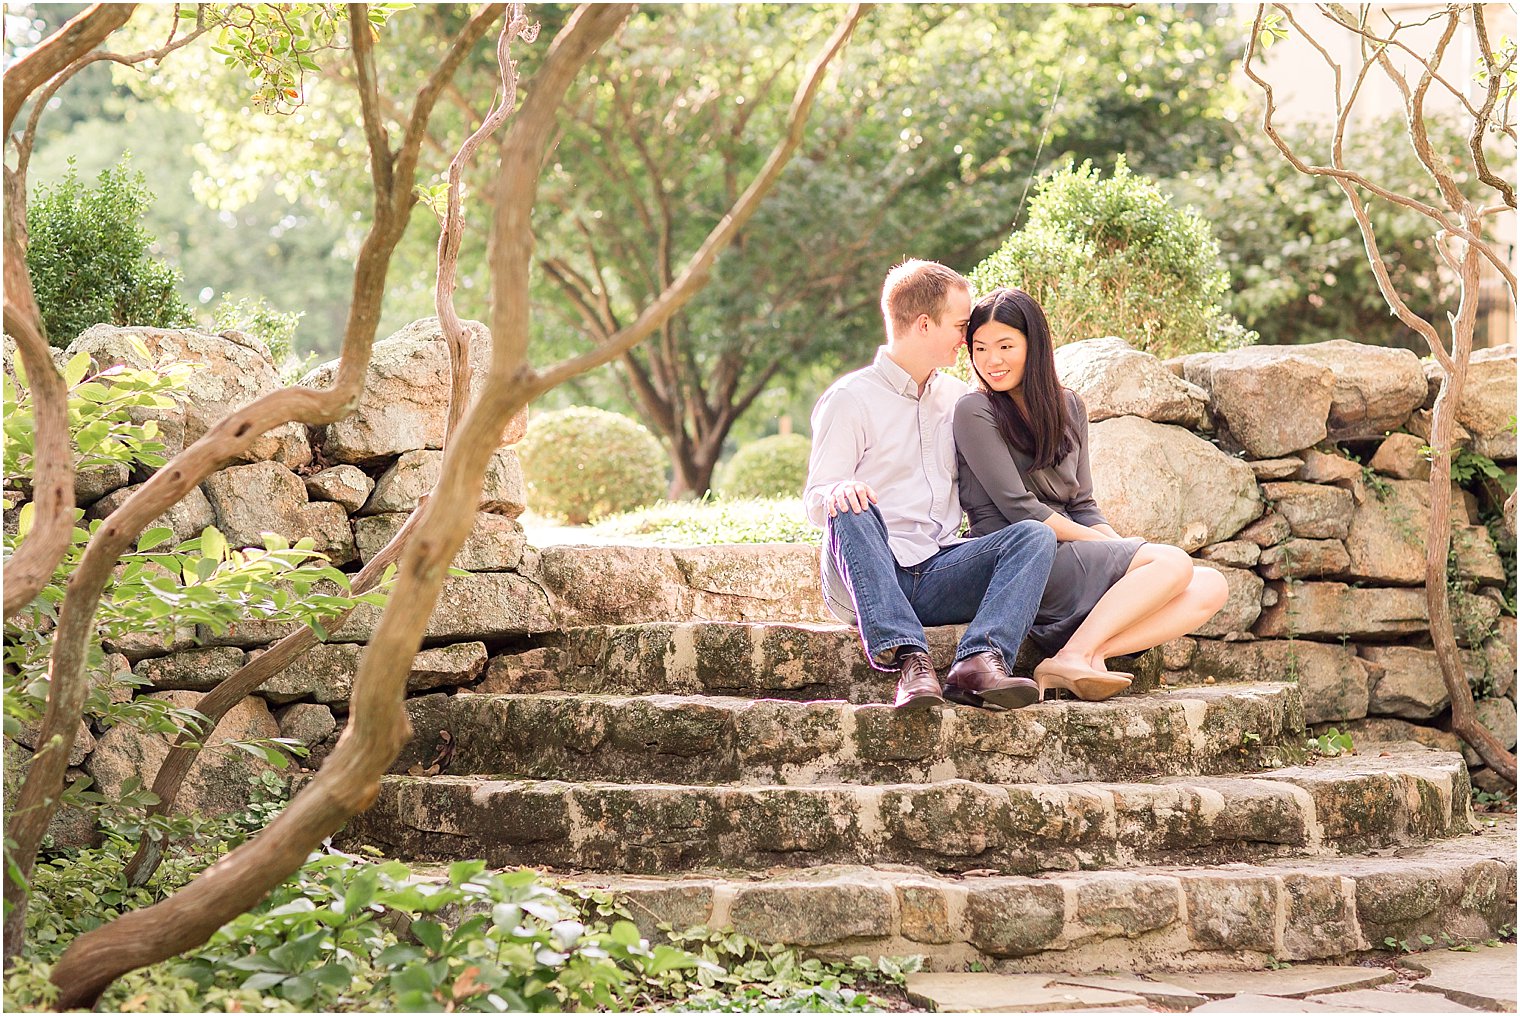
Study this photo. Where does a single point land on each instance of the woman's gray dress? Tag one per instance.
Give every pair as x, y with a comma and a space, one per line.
998, 487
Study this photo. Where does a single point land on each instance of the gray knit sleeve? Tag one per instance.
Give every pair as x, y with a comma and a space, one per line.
988, 457
1082, 508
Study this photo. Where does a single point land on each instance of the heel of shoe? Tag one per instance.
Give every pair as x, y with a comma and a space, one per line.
1089, 687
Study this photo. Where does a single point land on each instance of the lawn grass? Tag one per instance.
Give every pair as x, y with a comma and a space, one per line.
715, 520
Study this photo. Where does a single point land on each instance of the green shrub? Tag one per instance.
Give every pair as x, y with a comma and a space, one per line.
346, 934
89, 257
255, 317
582, 463
774, 466
1114, 257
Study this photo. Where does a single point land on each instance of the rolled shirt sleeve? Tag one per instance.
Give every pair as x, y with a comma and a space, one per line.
839, 442
987, 456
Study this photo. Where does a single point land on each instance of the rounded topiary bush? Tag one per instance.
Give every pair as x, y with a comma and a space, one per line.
582, 463
1114, 257
773, 466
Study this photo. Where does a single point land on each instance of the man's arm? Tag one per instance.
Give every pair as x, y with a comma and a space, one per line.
839, 441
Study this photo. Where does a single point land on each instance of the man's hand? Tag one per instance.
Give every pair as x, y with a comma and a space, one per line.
851, 495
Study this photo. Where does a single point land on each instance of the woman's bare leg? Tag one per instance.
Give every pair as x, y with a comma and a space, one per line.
1157, 575
1205, 593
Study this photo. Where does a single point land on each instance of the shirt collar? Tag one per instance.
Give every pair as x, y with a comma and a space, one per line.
900, 380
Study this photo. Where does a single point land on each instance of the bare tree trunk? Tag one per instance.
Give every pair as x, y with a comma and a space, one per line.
252, 676
1463, 221
1464, 717
32, 565
393, 175
350, 779
81, 34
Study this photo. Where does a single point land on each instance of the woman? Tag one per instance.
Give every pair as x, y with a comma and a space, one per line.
1021, 444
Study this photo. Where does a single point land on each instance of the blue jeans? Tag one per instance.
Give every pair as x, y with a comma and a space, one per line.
994, 582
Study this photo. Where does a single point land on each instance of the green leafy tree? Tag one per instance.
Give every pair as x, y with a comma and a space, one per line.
1298, 268
927, 142
1114, 256
939, 121
91, 259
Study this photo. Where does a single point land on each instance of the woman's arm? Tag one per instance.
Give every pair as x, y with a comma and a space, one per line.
990, 460
1082, 507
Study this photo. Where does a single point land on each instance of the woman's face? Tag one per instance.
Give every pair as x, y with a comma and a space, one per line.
997, 353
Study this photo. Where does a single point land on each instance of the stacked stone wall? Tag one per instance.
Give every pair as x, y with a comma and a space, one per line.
1300, 473
1296, 472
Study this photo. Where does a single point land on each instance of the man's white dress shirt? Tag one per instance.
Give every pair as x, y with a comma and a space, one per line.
873, 426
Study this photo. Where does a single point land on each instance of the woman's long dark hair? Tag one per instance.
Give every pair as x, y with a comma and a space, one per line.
1045, 432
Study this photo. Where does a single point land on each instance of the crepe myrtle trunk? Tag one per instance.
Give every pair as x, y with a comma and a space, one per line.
349, 781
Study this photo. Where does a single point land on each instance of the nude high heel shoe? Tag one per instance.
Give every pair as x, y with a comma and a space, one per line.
1085, 683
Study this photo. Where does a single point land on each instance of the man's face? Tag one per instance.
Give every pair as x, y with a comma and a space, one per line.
942, 339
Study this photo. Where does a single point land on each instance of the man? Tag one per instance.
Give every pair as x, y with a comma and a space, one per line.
881, 482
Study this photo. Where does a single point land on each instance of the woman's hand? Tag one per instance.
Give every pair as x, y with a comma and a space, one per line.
1107, 530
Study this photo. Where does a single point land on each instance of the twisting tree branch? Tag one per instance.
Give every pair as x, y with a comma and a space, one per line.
452, 234
1482, 118
31, 566
377, 727
1462, 221
48, 67
67, 688
79, 36
1414, 103
253, 675
697, 268
28, 137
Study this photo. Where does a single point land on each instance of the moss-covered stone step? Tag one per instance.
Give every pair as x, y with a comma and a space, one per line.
794, 660
1142, 919
1408, 794
705, 739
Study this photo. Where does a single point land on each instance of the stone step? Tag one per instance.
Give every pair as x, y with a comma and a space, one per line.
1145, 919
705, 740
793, 660
1406, 794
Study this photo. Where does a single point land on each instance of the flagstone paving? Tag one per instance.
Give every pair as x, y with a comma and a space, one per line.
1484, 979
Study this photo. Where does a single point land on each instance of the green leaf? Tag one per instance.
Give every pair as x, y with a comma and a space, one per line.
299, 988
429, 933
77, 367
25, 518
399, 955
263, 981
625, 933
213, 544
154, 537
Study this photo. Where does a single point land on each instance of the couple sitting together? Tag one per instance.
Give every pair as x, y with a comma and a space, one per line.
900, 448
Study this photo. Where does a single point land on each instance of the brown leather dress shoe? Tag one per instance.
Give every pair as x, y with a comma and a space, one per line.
917, 684
982, 679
